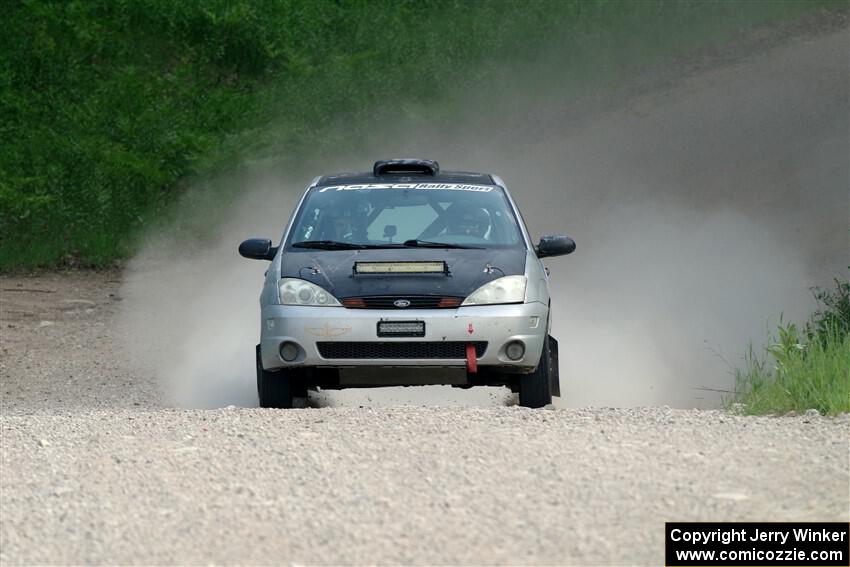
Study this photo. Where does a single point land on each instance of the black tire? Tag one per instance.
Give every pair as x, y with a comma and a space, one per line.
554, 374
273, 388
535, 389
299, 389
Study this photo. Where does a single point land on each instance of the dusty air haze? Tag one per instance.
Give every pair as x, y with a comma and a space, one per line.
705, 203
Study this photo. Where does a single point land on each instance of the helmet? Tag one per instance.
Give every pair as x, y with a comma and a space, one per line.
473, 221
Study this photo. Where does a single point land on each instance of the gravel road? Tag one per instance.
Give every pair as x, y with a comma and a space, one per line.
401, 485
92, 471
95, 469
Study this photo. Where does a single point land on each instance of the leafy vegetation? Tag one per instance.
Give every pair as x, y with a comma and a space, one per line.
803, 369
108, 107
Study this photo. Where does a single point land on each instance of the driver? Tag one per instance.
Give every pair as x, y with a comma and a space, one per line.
348, 225
473, 221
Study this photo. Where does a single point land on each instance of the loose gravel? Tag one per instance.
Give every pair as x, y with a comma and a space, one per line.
401, 485
92, 471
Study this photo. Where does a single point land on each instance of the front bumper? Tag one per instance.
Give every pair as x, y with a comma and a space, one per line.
496, 325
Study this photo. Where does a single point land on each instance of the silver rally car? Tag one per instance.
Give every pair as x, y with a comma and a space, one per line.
406, 275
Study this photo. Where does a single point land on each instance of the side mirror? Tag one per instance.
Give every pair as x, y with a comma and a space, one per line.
258, 249
555, 245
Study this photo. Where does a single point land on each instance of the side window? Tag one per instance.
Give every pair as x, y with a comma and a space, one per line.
524, 224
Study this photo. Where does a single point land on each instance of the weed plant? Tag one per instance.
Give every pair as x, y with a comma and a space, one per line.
802, 369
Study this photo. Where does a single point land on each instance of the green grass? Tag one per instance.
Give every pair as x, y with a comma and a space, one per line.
110, 108
801, 370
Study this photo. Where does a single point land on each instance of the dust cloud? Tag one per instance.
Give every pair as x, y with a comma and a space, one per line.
703, 209
190, 310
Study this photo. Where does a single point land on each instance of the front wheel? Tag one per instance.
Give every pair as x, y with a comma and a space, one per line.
535, 389
274, 388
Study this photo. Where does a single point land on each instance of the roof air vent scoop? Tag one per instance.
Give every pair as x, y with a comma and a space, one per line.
406, 166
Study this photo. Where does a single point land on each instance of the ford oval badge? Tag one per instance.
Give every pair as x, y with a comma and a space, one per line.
402, 303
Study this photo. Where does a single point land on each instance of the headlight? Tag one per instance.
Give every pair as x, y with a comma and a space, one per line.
300, 292
509, 289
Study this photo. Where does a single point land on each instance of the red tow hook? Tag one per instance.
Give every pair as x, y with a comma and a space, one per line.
471, 361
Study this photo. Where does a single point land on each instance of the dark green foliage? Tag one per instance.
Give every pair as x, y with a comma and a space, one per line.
106, 106
833, 314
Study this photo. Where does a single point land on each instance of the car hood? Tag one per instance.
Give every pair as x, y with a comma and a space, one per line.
468, 269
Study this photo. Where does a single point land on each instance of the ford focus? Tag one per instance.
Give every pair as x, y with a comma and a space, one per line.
406, 275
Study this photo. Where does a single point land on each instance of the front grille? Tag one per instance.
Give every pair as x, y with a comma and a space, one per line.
388, 302
399, 350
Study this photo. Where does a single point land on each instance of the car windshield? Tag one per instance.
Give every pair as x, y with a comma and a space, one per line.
425, 214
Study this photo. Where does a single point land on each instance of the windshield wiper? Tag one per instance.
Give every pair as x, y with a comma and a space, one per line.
337, 245
416, 243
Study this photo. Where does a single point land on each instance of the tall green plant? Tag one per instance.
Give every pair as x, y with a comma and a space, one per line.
802, 370
833, 314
